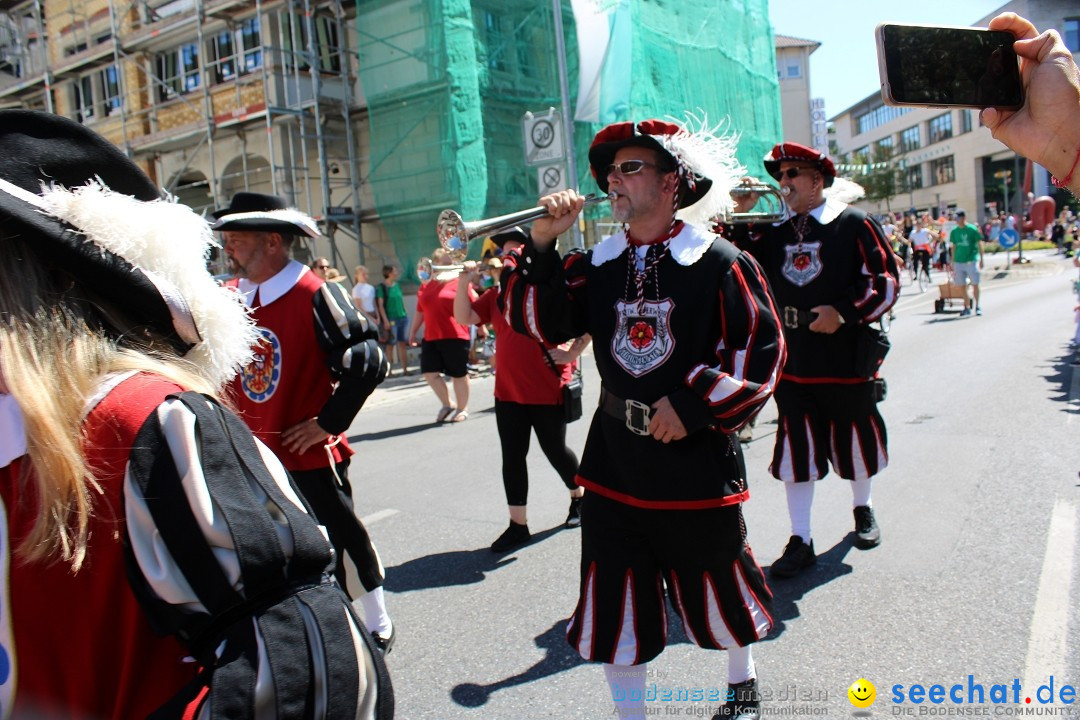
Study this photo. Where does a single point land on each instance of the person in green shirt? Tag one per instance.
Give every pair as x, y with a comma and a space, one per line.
967, 248
392, 315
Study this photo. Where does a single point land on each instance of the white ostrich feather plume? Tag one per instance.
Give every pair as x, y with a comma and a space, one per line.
170, 243
844, 190
707, 151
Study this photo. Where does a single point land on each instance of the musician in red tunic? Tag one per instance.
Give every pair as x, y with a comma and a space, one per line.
317, 362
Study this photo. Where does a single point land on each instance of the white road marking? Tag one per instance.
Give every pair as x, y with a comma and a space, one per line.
375, 517
1046, 654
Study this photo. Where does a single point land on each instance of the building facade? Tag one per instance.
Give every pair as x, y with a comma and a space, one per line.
793, 74
209, 97
371, 116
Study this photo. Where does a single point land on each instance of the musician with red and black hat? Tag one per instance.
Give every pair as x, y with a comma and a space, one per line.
318, 360
832, 272
688, 345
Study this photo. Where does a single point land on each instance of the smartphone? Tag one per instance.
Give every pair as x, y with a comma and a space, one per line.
932, 66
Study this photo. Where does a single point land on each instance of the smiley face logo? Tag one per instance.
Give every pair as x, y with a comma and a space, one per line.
862, 693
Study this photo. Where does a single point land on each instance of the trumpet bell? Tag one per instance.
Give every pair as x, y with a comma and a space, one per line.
773, 200
437, 272
453, 232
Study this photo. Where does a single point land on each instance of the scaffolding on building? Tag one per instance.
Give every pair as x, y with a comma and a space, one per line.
170, 80
273, 86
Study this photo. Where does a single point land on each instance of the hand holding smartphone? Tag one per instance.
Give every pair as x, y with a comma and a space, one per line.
930, 66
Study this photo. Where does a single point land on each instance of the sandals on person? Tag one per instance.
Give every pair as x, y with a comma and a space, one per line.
459, 416
445, 413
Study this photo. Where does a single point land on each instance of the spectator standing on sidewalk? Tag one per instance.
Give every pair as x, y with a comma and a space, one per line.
363, 294
395, 320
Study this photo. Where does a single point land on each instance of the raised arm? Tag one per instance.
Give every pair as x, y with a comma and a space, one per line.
463, 309
543, 295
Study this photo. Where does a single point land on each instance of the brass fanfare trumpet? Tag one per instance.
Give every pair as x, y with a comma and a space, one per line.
454, 233
425, 264
774, 200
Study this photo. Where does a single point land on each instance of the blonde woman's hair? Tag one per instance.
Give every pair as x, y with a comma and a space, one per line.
52, 336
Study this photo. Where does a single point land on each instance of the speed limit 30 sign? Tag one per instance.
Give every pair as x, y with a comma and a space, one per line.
543, 137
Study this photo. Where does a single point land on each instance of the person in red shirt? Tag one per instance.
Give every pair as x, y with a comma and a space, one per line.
155, 559
445, 348
528, 397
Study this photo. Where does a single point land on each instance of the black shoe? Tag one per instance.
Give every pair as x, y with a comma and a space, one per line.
385, 642
867, 533
797, 557
745, 702
573, 518
514, 536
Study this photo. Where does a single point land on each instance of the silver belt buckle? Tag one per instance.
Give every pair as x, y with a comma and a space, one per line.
637, 417
791, 317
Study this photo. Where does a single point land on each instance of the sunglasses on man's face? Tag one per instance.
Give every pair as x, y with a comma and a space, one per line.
792, 173
322, 267
628, 167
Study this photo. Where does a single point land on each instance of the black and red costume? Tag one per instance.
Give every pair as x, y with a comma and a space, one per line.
692, 319
835, 255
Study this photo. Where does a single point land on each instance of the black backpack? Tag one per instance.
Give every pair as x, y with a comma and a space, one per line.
288, 601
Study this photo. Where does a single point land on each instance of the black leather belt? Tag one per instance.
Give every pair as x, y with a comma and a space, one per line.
636, 414
795, 318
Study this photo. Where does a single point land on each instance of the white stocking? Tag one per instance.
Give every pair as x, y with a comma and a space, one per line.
800, 497
627, 684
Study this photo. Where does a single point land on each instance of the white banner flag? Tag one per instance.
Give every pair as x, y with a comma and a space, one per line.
604, 36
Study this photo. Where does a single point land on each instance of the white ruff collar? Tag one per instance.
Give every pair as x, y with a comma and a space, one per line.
824, 213
275, 287
686, 248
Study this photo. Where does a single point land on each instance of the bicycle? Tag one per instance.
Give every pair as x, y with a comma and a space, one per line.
886, 321
920, 269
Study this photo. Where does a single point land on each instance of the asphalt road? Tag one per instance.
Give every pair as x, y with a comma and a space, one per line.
975, 575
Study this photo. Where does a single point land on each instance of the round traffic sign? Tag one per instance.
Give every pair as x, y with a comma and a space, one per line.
552, 177
1008, 238
543, 133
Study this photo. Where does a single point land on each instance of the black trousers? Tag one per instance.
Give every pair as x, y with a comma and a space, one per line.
516, 423
332, 504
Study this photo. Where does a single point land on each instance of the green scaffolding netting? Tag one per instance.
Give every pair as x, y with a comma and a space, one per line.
448, 82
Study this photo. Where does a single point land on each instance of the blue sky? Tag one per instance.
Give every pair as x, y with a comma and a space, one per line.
844, 69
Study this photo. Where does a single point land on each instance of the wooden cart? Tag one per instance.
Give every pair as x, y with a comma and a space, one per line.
950, 293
